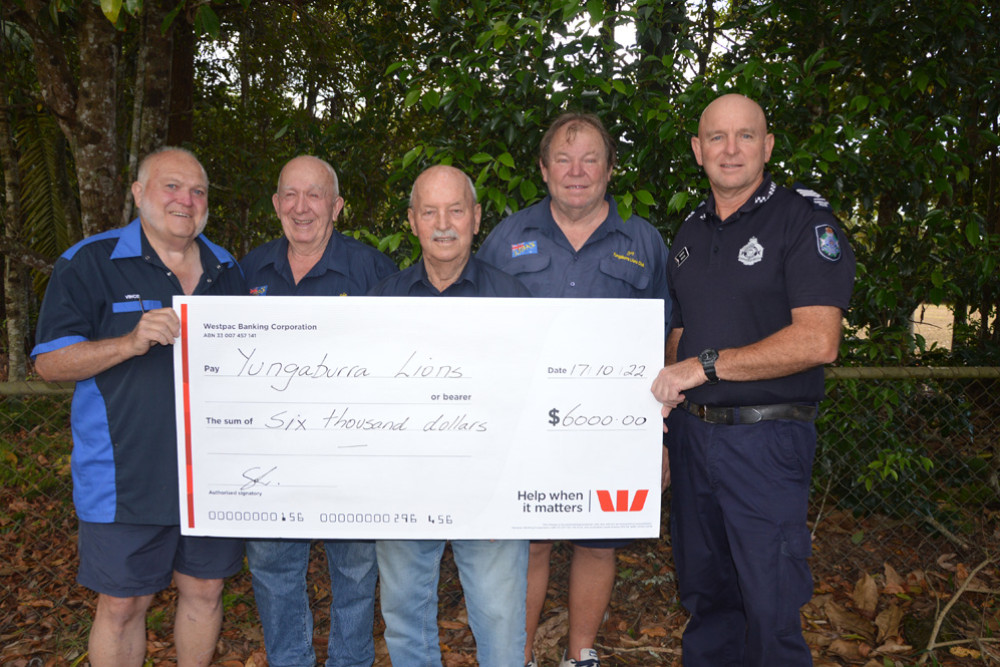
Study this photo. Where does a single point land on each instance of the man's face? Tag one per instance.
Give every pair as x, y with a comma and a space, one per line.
306, 205
173, 200
444, 216
577, 173
733, 145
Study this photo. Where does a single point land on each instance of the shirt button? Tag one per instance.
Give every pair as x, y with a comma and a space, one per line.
169, 273
572, 284
208, 280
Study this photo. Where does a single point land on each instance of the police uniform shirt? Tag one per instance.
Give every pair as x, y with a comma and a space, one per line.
734, 282
348, 267
621, 259
477, 279
124, 460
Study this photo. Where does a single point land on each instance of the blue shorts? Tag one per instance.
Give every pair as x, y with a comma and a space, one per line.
129, 560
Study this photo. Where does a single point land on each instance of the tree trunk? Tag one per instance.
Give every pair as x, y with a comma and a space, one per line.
98, 157
151, 108
14, 274
181, 123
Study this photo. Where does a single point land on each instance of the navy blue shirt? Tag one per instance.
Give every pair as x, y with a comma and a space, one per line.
477, 279
621, 259
124, 458
735, 282
348, 268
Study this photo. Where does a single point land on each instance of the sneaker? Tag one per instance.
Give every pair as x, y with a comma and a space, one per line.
532, 662
588, 658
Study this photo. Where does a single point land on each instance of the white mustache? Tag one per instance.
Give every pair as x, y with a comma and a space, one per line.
449, 235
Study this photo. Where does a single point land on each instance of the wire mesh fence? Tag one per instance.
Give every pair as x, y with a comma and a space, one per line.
907, 478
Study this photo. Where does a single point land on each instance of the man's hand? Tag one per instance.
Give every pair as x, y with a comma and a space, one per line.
673, 380
156, 327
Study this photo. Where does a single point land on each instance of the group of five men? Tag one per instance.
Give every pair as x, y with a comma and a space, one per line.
754, 289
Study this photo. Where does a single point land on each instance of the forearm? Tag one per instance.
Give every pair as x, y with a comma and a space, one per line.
812, 339
83, 360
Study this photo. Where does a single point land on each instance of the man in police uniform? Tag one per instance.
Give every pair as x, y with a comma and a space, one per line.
761, 277
574, 244
107, 324
313, 259
445, 217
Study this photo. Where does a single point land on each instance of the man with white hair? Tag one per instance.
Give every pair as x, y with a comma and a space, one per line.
313, 259
445, 217
107, 324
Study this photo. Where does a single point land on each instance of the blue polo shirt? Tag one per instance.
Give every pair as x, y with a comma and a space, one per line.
124, 460
477, 279
735, 282
622, 259
348, 267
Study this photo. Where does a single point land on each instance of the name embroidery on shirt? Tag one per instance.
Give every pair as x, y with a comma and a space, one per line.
524, 248
751, 253
258, 291
629, 257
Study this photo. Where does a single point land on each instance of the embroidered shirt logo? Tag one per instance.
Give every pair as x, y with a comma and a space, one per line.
524, 248
630, 257
827, 243
751, 253
258, 291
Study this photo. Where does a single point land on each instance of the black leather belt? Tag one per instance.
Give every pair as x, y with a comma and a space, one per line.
751, 414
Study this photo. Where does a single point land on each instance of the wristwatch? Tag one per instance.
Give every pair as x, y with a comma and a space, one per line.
707, 359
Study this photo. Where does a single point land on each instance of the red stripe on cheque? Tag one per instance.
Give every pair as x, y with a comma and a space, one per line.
188, 468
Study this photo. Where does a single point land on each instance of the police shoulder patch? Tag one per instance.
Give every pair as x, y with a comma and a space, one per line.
819, 203
828, 243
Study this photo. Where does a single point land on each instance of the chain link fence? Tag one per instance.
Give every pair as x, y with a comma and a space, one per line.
908, 473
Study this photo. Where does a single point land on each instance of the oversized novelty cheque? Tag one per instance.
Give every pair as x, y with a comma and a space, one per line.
358, 417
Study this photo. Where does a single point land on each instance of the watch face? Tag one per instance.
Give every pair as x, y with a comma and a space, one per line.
708, 356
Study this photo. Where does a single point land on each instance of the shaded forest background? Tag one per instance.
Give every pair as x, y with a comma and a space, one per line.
888, 109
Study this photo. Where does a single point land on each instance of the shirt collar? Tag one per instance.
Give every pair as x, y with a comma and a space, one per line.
760, 196
470, 274
335, 257
132, 240
546, 224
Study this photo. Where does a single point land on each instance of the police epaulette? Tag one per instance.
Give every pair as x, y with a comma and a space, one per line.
819, 203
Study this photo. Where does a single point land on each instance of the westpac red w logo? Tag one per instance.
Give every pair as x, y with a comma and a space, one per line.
620, 503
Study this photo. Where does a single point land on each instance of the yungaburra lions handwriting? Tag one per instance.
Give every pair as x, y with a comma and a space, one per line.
415, 366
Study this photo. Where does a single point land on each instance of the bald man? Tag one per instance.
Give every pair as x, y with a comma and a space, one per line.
313, 259
760, 277
445, 217
107, 324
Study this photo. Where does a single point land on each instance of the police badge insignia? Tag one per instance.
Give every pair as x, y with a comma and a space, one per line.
751, 253
827, 243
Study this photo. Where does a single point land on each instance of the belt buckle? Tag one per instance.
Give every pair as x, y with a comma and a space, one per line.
702, 412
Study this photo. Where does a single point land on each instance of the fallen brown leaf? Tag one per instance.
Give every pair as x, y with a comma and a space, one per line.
888, 622
654, 631
866, 595
894, 582
849, 622
845, 649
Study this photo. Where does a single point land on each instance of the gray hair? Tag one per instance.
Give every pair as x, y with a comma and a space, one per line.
142, 175
468, 181
326, 165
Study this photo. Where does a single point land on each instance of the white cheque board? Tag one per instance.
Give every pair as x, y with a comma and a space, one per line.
457, 418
